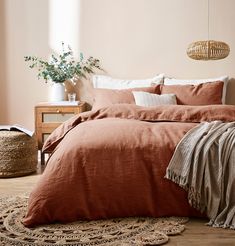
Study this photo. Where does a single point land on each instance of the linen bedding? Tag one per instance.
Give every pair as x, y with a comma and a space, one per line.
111, 162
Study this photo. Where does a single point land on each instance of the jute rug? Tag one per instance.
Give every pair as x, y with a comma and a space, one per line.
123, 231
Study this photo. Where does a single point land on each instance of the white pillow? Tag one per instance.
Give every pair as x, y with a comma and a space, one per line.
147, 99
107, 82
173, 81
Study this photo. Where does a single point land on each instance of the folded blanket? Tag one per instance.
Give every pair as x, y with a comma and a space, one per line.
204, 165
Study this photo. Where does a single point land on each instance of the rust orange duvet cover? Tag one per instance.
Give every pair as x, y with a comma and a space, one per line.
111, 162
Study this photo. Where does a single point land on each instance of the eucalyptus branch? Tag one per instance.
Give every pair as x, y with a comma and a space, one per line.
63, 66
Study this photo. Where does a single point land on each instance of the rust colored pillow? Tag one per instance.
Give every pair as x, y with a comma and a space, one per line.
202, 94
107, 97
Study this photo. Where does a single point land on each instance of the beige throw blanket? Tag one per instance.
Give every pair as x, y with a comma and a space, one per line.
204, 165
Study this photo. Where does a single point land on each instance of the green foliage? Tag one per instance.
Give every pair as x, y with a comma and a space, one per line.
63, 67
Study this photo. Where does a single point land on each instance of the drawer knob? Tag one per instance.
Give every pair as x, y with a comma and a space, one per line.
57, 111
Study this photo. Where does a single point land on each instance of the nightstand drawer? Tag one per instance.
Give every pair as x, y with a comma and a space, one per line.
46, 114
56, 117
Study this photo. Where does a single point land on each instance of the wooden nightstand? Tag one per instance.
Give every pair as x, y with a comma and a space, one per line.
48, 116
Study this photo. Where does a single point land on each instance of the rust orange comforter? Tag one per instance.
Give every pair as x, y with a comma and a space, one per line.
112, 162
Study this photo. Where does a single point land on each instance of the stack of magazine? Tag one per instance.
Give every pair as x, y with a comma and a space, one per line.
16, 127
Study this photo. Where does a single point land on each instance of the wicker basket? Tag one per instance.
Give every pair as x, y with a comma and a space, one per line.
18, 154
208, 50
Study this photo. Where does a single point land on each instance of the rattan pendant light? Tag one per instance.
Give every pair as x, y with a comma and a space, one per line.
208, 49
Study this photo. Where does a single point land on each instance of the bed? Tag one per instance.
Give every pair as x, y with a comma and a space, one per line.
111, 161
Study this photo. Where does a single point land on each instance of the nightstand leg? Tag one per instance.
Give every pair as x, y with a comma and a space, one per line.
42, 158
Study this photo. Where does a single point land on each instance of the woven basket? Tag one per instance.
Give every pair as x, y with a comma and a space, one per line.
208, 50
18, 154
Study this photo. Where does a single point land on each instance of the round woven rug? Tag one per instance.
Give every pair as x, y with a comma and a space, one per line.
120, 231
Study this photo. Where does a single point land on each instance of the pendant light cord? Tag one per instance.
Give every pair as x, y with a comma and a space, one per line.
208, 19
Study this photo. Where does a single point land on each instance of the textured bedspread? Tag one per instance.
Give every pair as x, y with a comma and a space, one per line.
111, 163
204, 165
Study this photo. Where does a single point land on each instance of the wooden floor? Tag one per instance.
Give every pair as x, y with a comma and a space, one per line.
196, 233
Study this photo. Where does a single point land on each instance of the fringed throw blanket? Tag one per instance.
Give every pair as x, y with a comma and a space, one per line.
204, 165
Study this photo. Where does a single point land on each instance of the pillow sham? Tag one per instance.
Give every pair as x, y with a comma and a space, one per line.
107, 97
107, 82
147, 99
174, 81
202, 94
